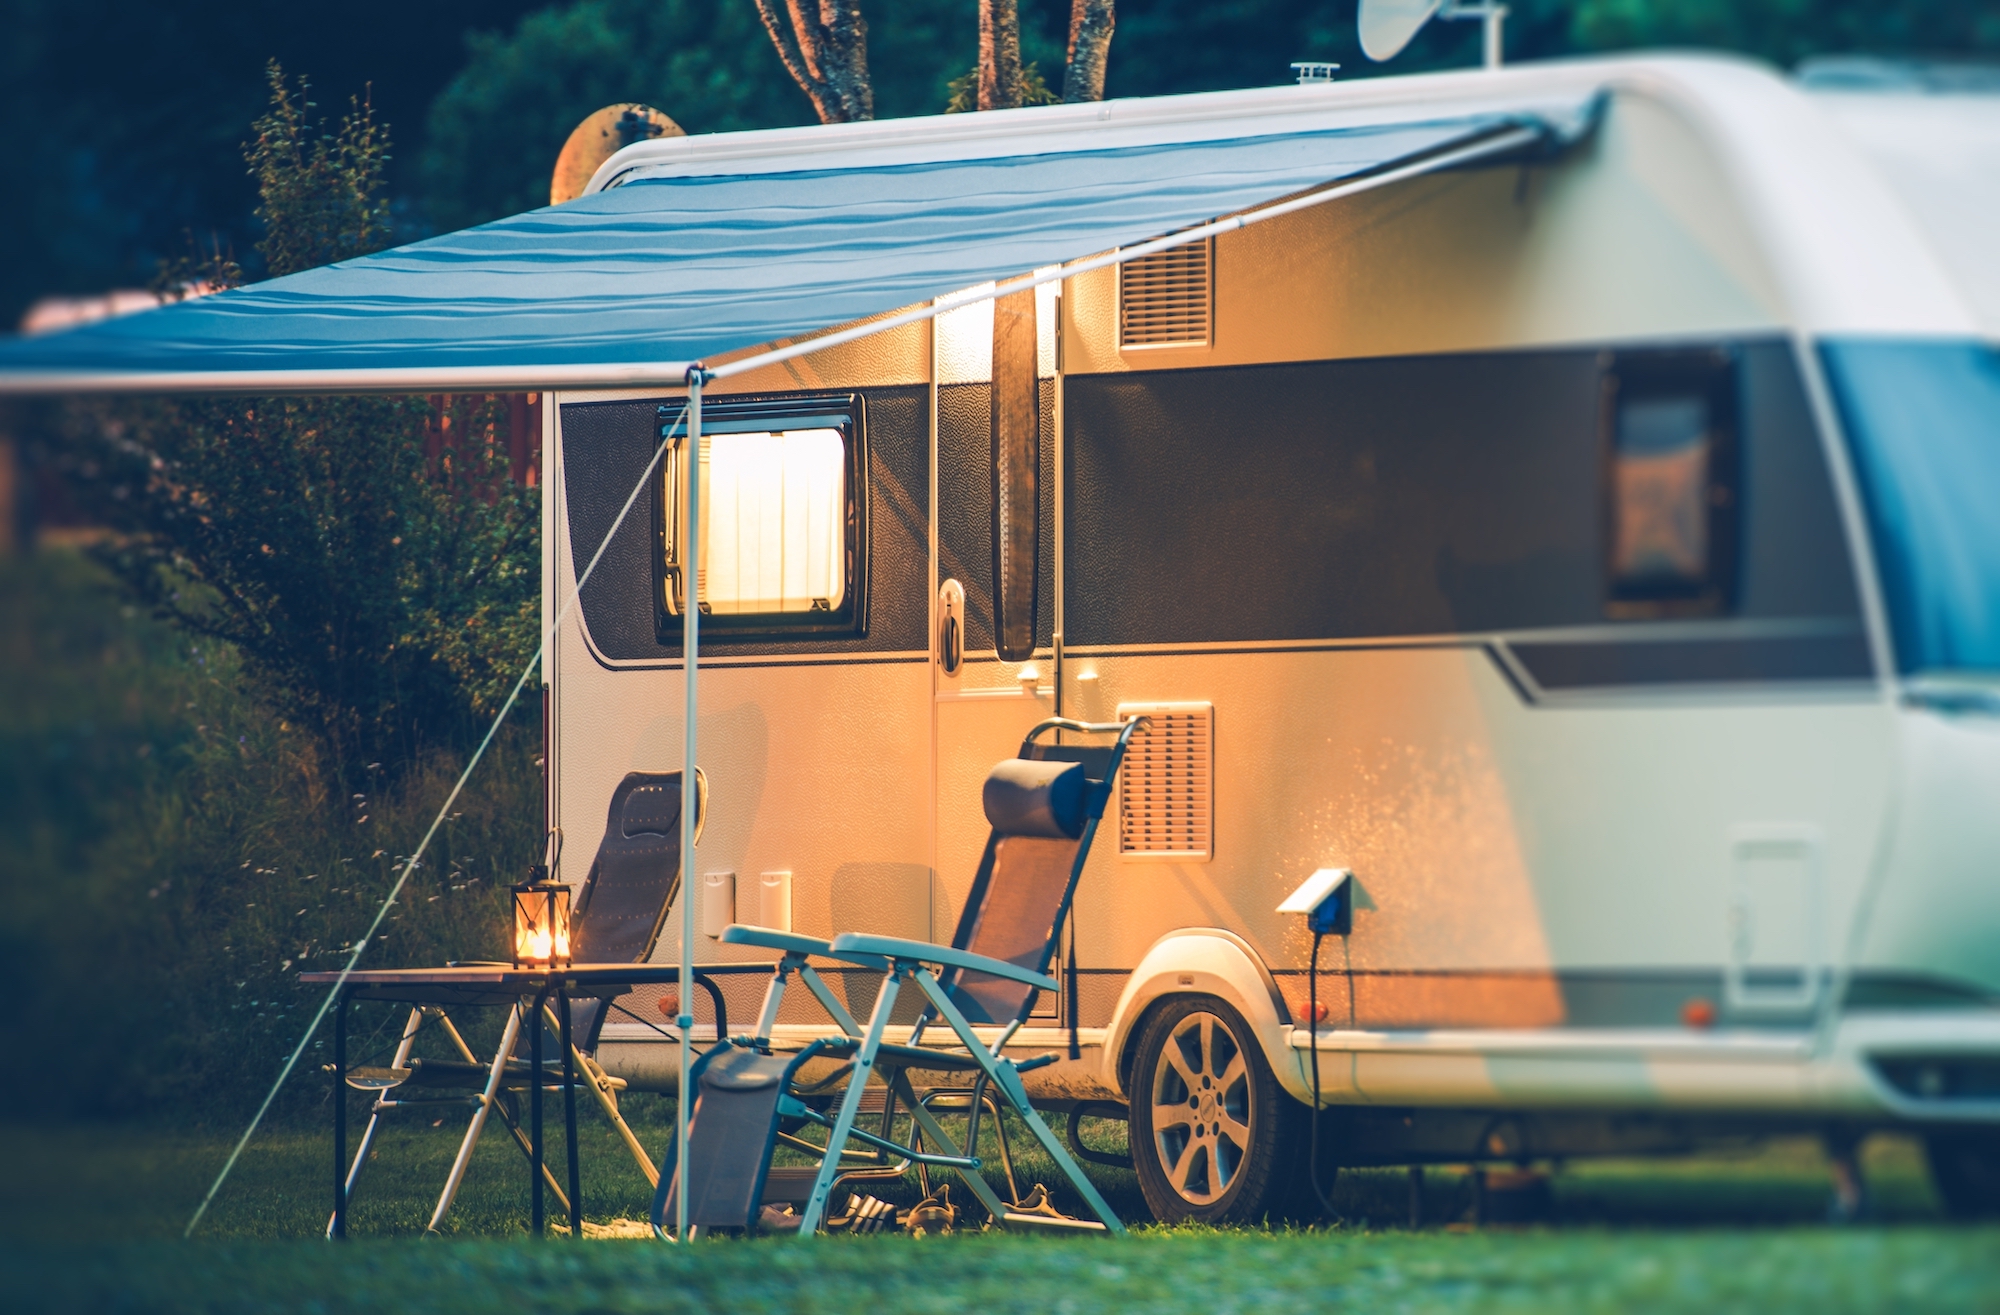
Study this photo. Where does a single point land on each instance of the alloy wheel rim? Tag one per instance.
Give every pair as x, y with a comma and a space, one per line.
1201, 1109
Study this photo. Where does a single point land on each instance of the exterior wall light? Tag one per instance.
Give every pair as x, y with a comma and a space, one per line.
1327, 900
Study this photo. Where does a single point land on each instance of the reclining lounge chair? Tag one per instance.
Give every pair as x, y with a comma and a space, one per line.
617, 919
1044, 808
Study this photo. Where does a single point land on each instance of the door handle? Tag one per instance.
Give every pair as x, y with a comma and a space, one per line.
950, 637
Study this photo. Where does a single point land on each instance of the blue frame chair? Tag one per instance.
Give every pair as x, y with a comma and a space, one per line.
1044, 807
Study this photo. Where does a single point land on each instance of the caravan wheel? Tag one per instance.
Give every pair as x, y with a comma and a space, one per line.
1210, 1125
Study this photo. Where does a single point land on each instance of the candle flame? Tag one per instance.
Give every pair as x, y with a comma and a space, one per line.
541, 929
534, 945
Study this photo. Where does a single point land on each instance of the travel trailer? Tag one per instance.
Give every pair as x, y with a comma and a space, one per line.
1591, 550
1545, 516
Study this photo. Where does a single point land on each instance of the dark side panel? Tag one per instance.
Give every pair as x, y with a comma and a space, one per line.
606, 447
1344, 500
1413, 496
1750, 660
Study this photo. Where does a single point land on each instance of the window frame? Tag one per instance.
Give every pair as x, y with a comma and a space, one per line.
846, 413
1711, 375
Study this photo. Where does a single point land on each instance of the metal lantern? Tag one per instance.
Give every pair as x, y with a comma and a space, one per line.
541, 923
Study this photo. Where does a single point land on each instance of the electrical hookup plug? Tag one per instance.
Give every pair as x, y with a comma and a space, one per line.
1327, 900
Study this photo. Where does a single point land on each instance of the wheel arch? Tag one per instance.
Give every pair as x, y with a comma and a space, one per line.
1203, 961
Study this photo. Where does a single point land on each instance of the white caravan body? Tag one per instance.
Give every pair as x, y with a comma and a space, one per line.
1656, 800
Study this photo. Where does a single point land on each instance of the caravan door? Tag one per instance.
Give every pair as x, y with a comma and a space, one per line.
983, 702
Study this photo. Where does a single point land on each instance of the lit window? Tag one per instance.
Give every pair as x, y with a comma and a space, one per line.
781, 519
1670, 483
773, 515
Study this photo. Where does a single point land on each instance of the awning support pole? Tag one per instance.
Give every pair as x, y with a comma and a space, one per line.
690, 644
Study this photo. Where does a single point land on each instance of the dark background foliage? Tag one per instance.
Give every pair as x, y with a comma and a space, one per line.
232, 720
369, 558
175, 856
314, 536
494, 130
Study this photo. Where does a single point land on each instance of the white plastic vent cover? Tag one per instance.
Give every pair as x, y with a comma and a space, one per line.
1166, 789
1164, 299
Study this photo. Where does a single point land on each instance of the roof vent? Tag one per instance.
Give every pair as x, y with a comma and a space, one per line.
1165, 299
1166, 794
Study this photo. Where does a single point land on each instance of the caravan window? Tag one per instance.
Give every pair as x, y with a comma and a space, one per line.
781, 541
1669, 483
1923, 422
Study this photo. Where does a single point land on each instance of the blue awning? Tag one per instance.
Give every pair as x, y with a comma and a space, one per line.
673, 269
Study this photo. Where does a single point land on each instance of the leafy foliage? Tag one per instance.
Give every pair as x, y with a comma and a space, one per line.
349, 587
176, 857
1785, 31
962, 92
380, 600
119, 119
495, 131
381, 589
323, 198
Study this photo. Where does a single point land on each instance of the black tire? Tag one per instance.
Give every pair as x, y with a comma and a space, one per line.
1965, 1170
1240, 1159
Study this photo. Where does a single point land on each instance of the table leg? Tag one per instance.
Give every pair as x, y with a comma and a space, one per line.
535, 1100
340, 1117
569, 1116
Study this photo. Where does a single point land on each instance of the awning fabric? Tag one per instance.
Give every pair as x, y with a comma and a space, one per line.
678, 269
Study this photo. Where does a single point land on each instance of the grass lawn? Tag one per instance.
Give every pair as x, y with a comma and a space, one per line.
91, 1220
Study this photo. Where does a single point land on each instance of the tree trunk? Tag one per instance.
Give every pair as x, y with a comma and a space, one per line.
999, 54
824, 44
1090, 24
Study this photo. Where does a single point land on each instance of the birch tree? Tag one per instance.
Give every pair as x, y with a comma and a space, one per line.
999, 54
1090, 24
824, 44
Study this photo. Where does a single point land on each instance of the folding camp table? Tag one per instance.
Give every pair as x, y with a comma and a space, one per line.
481, 985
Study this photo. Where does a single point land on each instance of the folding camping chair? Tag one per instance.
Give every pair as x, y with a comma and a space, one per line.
633, 880
1044, 808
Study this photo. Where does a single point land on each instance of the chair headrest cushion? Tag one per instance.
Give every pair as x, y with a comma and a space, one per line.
1028, 798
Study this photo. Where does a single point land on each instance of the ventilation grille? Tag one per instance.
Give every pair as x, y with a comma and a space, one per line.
1163, 299
1166, 794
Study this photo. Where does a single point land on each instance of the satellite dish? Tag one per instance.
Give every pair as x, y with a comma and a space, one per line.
1388, 25
600, 137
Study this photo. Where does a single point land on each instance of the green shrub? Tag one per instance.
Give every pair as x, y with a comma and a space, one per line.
369, 558
321, 196
237, 722
381, 602
177, 858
